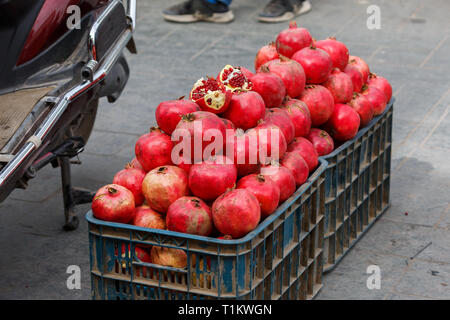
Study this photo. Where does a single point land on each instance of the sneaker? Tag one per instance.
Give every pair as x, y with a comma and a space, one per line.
284, 10
198, 10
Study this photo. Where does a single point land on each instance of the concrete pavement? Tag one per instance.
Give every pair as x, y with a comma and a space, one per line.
411, 50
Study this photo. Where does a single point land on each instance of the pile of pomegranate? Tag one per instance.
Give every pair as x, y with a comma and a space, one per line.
225, 159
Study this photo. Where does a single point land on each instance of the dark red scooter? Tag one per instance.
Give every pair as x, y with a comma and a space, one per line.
57, 59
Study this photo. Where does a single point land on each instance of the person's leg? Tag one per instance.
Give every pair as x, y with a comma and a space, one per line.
200, 10
284, 10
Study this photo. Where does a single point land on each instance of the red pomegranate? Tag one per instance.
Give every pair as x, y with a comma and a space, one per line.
291, 40
266, 53
211, 95
141, 253
291, 73
169, 257
247, 73
269, 86
210, 178
267, 149
376, 97
184, 163
236, 213
340, 85
197, 131
381, 84
306, 149
344, 122
146, 217
320, 103
131, 179
299, 114
225, 237
190, 215
316, 63
135, 164
228, 124
282, 177
234, 79
337, 51
298, 166
113, 203
361, 65
244, 150
168, 113
282, 120
356, 77
163, 185
363, 106
246, 109
264, 189
321, 141
154, 149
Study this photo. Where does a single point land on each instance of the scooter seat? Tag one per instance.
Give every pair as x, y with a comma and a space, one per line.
15, 107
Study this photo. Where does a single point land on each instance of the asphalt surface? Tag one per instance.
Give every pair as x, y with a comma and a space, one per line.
411, 49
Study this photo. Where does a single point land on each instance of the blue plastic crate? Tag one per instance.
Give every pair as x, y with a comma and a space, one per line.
357, 182
280, 259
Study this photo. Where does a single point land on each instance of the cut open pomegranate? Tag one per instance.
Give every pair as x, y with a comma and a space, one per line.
234, 79
211, 95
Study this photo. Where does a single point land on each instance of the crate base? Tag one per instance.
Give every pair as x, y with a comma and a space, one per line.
330, 266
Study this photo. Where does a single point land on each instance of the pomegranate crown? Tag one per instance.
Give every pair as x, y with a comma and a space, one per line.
292, 24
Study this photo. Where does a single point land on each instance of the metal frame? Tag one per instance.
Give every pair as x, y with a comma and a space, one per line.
61, 104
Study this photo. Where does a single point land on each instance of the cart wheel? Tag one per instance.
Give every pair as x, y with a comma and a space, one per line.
72, 224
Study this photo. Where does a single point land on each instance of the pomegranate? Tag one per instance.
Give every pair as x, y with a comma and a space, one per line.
269, 86
356, 77
291, 40
282, 120
225, 237
246, 109
154, 149
282, 177
316, 63
320, 103
298, 166
146, 217
344, 122
169, 257
163, 185
234, 79
247, 73
228, 124
140, 253
291, 73
211, 95
299, 114
210, 178
200, 129
168, 113
380, 83
305, 148
190, 215
244, 149
267, 149
376, 97
135, 164
265, 54
264, 189
236, 213
361, 65
363, 106
131, 179
113, 203
337, 51
340, 85
321, 141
